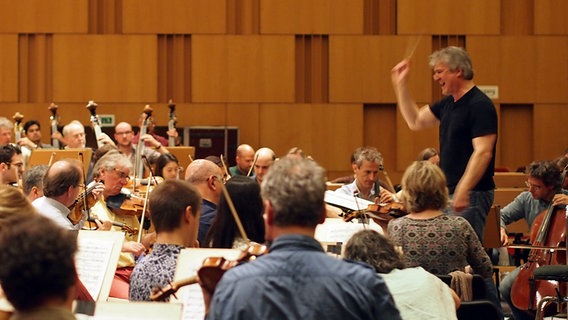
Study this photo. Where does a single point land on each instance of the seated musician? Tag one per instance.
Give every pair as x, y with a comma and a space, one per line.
124, 135
417, 293
175, 216
46, 252
438, 242
167, 167
114, 169
296, 279
11, 164
543, 182
6, 131
366, 164
150, 130
244, 159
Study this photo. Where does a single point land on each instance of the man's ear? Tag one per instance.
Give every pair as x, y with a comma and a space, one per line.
323, 214
269, 213
354, 166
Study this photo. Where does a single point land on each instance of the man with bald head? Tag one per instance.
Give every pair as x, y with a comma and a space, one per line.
265, 158
207, 178
244, 159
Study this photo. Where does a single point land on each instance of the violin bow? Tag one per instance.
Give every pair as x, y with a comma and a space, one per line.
225, 167
85, 194
253, 163
145, 206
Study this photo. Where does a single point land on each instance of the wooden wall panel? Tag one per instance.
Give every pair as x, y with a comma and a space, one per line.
550, 132
243, 17
379, 17
174, 16
247, 118
35, 68
515, 138
448, 17
550, 17
9, 66
360, 68
312, 68
40, 16
311, 17
105, 68
515, 11
174, 68
337, 130
551, 69
280, 131
243, 69
509, 63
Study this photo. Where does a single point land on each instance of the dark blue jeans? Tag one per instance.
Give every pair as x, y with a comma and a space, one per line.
479, 205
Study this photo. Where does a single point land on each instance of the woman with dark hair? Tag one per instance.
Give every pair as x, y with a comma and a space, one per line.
417, 293
224, 233
167, 166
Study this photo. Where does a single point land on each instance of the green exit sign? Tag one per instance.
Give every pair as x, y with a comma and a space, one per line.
106, 120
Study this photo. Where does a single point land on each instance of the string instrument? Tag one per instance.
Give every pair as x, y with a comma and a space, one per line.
76, 208
172, 122
213, 268
125, 204
138, 165
123, 226
389, 182
227, 174
210, 272
18, 129
54, 121
92, 107
382, 212
548, 231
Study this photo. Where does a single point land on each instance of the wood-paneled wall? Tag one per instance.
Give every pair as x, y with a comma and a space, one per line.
308, 73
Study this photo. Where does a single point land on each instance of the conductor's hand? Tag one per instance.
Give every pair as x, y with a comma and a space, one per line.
400, 72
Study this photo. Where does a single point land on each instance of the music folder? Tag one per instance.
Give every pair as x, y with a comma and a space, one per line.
345, 202
42, 156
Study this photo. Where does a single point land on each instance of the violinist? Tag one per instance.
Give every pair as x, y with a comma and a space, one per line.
297, 279
167, 166
11, 164
543, 182
32, 182
114, 170
61, 186
366, 163
175, 216
124, 135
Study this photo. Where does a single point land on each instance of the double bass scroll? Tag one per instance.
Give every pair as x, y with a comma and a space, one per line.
172, 122
18, 129
54, 121
92, 107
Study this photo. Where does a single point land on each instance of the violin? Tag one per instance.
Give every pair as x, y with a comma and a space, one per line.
77, 207
54, 119
125, 204
382, 212
210, 272
123, 226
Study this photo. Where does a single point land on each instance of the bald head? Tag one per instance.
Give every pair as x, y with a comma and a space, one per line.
200, 170
244, 158
265, 158
60, 176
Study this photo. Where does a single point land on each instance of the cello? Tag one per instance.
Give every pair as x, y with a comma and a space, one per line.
547, 236
54, 121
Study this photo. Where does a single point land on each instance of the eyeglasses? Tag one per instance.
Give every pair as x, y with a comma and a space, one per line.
125, 133
534, 186
122, 175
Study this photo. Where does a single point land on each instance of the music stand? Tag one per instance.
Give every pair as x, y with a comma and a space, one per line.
42, 156
182, 154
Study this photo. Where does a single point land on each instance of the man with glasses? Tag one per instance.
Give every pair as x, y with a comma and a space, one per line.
544, 183
207, 178
11, 164
123, 135
6, 129
114, 169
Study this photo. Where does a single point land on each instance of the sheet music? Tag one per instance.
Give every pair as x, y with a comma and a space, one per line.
335, 230
189, 261
96, 260
344, 201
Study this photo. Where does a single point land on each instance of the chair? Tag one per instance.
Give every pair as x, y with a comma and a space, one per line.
477, 309
555, 273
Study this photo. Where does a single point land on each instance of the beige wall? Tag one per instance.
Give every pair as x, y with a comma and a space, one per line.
312, 73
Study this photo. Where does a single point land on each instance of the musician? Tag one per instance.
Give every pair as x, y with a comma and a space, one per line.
175, 216
73, 135
6, 131
38, 272
366, 163
244, 159
265, 158
543, 182
150, 130
417, 293
124, 135
167, 166
224, 233
429, 154
32, 139
296, 279
32, 182
114, 169
11, 164
207, 178
438, 242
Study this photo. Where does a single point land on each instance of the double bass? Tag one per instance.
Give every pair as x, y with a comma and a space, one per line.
54, 121
92, 107
138, 164
548, 238
18, 129
172, 122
